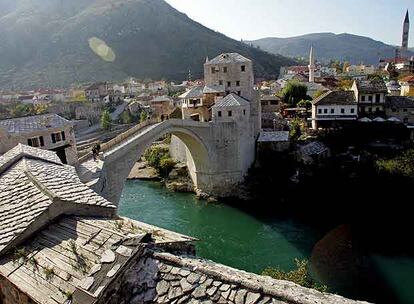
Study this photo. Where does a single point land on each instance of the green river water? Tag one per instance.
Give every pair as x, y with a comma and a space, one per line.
235, 238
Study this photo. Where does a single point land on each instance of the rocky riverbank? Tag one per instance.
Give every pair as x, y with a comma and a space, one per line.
178, 180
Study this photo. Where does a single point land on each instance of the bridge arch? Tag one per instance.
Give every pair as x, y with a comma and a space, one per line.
119, 160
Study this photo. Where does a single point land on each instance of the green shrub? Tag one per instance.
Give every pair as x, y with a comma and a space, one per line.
166, 166
301, 275
402, 165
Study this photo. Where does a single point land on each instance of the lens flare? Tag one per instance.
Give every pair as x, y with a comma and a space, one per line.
100, 48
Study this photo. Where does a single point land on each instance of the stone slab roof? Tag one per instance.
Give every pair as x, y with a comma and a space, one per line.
195, 92
35, 188
34, 123
371, 86
336, 98
228, 58
161, 99
276, 136
231, 100
166, 278
399, 102
214, 89
313, 148
78, 257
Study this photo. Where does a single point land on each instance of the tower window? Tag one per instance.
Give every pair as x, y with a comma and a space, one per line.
243, 68
225, 69
220, 82
230, 113
238, 83
219, 113
244, 112
213, 70
229, 83
239, 93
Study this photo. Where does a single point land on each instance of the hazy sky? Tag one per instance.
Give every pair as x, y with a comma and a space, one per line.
253, 19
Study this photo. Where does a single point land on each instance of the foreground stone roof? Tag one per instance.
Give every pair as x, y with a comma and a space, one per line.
35, 188
78, 258
162, 277
34, 123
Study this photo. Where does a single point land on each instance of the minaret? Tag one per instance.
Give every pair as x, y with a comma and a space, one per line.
406, 32
311, 66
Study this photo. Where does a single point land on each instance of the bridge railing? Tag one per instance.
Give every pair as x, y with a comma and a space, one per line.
120, 138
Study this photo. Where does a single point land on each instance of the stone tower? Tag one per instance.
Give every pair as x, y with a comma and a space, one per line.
406, 33
232, 71
311, 65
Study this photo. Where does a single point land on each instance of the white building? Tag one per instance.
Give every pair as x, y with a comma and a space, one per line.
333, 108
370, 95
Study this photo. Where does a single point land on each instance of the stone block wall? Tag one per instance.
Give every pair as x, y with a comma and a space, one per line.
9, 294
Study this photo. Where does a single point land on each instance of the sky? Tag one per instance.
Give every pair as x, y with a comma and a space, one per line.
254, 19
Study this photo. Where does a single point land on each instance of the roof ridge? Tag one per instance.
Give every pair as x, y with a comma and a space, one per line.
39, 185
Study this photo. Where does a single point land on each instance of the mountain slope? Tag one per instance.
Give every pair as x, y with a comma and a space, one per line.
45, 42
329, 46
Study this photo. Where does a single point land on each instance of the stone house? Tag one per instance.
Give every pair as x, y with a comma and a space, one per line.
407, 86
370, 95
161, 105
277, 141
334, 108
49, 132
197, 101
394, 88
97, 91
401, 108
270, 103
62, 243
233, 71
231, 108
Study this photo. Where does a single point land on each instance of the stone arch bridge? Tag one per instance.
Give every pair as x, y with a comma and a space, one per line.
218, 154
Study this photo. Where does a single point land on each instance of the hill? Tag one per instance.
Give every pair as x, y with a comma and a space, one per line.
344, 47
46, 42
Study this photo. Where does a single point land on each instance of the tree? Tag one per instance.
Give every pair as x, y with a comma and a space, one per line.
319, 93
346, 84
126, 117
301, 275
106, 120
402, 165
143, 116
294, 92
305, 104
296, 129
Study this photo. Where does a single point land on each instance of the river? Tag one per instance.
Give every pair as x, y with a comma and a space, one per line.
250, 242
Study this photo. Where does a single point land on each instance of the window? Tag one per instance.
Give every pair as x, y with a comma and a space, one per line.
219, 113
220, 82
227, 92
229, 83
238, 83
378, 98
213, 70
332, 111
225, 69
244, 112
405, 110
377, 109
243, 68
363, 98
370, 98
63, 135
319, 111
239, 93
394, 110
274, 102
230, 113
352, 111
33, 142
342, 111
325, 111
56, 137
